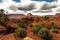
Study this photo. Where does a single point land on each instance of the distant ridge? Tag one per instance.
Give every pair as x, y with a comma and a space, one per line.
16, 15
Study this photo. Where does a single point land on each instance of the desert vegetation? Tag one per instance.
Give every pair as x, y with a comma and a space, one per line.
46, 18
3, 17
42, 31
20, 33
54, 28
45, 34
34, 27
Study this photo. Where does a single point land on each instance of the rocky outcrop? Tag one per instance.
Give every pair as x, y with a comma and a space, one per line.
2, 28
29, 14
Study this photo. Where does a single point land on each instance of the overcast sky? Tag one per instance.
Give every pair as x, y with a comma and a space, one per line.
33, 6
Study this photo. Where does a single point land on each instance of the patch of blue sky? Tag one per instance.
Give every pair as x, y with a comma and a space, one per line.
45, 0
16, 0
0, 0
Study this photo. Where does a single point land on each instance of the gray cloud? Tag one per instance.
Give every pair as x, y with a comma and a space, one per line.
48, 6
33, 6
13, 7
27, 7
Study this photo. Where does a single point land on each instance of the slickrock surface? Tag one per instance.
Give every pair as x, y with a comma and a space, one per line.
8, 37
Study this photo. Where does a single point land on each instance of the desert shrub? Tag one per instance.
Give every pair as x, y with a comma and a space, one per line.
21, 32
15, 21
30, 19
1, 23
45, 34
37, 19
30, 25
25, 18
10, 30
3, 17
53, 25
55, 30
26, 28
22, 23
37, 27
46, 18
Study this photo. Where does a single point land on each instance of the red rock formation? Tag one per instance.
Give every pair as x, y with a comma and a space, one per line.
8, 37
2, 28
29, 14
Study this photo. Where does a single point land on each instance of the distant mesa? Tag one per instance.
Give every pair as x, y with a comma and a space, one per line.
16, 15
57, 13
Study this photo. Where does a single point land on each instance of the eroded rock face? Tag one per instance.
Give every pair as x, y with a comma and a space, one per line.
7, 29
2, 28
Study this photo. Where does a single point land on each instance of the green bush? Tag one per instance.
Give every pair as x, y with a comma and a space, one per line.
21, 33
37, 27
22, 23
37, 19
30, 25
53, 25
46, 18
55, 30
3, 17
45, 34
